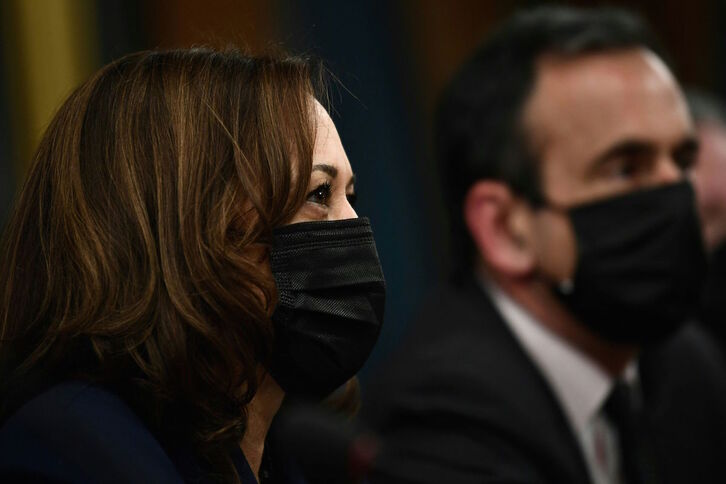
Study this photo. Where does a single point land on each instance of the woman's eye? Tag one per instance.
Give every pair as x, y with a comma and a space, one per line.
321, 194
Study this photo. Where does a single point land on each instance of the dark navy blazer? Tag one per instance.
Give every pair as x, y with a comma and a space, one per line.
81, 433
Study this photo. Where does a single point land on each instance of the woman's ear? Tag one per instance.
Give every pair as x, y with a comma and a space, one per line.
501, 228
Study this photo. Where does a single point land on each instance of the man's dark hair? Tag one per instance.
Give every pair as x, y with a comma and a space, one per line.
478, 133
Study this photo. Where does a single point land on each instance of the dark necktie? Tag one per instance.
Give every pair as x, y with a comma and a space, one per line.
624, 409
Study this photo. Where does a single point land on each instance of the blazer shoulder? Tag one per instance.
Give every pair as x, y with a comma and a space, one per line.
80, 432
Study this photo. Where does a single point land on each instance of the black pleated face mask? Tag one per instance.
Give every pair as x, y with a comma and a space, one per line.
331, 297
641, 264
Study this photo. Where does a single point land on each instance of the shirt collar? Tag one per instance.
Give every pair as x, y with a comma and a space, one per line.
578, 382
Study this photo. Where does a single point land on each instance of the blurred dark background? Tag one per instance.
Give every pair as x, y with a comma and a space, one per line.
392, 58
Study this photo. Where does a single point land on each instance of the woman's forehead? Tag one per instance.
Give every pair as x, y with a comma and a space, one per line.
328, 147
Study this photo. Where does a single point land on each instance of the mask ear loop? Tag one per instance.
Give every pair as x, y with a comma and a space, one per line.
566, 286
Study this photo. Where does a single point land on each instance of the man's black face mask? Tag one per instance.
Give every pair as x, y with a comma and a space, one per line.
640, 265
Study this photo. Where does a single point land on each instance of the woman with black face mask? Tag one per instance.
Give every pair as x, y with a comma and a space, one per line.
183, 254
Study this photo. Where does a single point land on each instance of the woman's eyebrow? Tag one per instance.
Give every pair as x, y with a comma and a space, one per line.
329, 169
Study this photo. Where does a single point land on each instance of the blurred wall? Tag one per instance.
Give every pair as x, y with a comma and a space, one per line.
392, 59
7, 166
48, 47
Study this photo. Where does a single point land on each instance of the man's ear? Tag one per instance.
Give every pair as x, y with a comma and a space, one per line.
501, 228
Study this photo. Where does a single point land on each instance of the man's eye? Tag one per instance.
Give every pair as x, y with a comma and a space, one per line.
630, 167
627, 169
321, 194
685, 158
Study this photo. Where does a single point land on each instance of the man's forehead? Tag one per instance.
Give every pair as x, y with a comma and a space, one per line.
613, 61
617, 91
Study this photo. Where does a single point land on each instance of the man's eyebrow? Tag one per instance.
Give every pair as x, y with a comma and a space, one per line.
685, 152
628, 147
689, 143
329, 169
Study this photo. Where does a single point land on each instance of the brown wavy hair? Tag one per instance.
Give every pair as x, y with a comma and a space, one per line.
136, 252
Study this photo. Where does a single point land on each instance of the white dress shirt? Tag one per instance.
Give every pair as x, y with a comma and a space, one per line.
579, 384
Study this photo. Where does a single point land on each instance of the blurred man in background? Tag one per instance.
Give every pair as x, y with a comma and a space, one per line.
709, 169
709, 178
558, 353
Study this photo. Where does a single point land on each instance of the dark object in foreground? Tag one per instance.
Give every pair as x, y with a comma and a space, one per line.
323, 447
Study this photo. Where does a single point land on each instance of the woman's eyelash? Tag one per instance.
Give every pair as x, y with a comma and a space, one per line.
321, 194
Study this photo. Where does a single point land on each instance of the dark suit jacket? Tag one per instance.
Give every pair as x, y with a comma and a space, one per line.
713, 304
461, 402
80, 433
